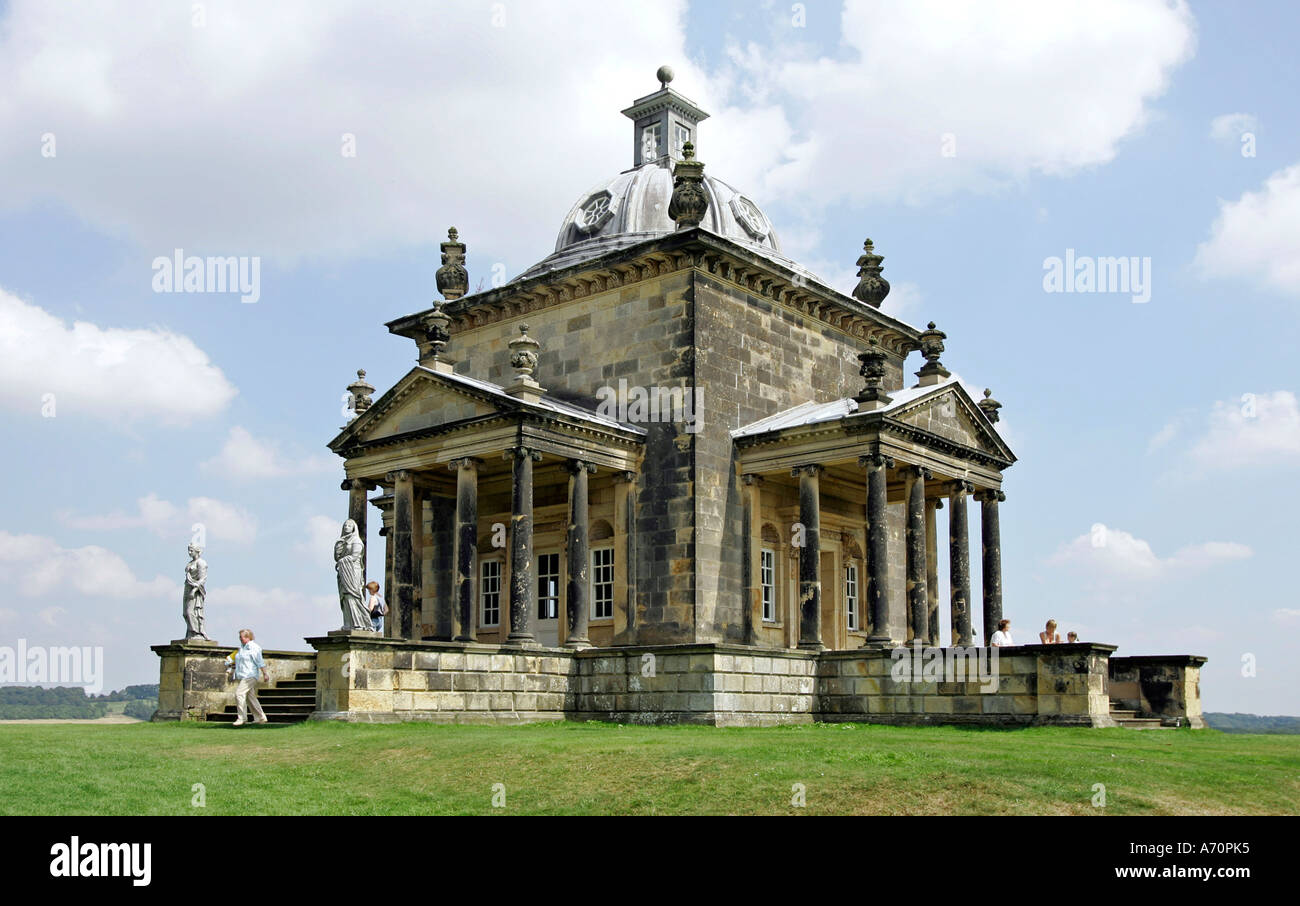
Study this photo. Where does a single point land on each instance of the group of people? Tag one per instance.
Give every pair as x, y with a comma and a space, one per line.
1049, 635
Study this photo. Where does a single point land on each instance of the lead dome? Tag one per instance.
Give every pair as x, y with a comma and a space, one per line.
632, 206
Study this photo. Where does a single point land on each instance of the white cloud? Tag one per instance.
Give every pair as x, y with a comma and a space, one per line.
320, 533
228, 138
108, 373
34, 566
221, 521
1021, 87
1230, 126
1114, 553
1260, 429
1257, 237
531, 109
244, 457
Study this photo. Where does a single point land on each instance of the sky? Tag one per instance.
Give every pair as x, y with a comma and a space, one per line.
1156, 423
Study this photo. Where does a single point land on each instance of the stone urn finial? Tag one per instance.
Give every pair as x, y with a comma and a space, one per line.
872, 288
523, 359
452, 277
989, 406
932, 372
873, 395
359, 391
689, 202
436, 337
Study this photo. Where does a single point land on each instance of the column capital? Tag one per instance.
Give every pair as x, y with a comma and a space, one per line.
398, 475
876, 461
961, 486
625, 475
574, 466
464, 462
920, 472
811, 469
936, 502
522, 452
749, 479
988, 495
358, 484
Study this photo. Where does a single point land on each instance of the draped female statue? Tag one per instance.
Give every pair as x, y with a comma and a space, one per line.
347, 563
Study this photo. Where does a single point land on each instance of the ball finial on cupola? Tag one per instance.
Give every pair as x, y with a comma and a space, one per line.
665, 75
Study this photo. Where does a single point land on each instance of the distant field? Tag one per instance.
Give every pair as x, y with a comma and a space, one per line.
594, 768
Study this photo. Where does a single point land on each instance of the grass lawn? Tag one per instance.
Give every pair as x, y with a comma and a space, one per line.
564, 768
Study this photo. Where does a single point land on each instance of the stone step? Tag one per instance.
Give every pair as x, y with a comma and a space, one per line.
1142, 723
1121, 714
287, 702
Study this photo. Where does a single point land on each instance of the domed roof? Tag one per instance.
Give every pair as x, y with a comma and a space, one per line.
633, 206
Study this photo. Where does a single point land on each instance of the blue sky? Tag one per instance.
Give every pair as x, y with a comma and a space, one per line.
1113, 129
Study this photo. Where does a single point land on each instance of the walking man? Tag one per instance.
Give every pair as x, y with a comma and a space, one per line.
248, 661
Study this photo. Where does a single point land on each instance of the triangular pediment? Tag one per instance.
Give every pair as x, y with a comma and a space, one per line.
421, 400
950, 413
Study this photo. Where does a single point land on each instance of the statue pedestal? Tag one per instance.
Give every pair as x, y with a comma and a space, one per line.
354, 634
200, 642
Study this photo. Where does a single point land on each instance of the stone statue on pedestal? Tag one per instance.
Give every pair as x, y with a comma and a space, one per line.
347, 563
196, 573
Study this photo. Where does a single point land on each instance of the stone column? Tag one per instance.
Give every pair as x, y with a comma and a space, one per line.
407, 528
877, 548
357, 490
523, 581
579, 555
932, 506
751, 556
442, 513
810, 560
991, 546
624, 556
466, 546
390, 593
917, 596
959, 563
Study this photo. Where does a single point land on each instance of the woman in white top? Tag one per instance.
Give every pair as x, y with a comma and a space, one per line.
1002, 638
1050, 636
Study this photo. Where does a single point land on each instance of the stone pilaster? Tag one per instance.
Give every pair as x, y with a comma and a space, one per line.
466, 546
959, 563
810, 584
917, 596
624, 556
877, 549
991, 546
579, 555
523, 581
751, 555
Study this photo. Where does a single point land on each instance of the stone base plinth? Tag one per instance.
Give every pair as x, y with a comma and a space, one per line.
192, 681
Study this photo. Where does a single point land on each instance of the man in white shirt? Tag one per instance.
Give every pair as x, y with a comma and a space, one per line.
1002, 638
248, 661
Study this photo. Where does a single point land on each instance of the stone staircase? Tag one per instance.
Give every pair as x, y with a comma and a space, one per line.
287, 702
1129, 719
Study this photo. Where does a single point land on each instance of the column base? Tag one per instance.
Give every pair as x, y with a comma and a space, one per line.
578, 644
811, 646
522, 641
881, 641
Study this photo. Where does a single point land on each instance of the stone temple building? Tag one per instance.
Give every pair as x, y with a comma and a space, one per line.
667, 473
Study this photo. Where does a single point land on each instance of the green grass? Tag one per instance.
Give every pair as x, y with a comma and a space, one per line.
329, 768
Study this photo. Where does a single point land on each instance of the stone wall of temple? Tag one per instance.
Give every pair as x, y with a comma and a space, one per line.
641, 334
755, 358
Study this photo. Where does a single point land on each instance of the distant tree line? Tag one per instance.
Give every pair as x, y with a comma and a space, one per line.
1251, 723
72, 702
